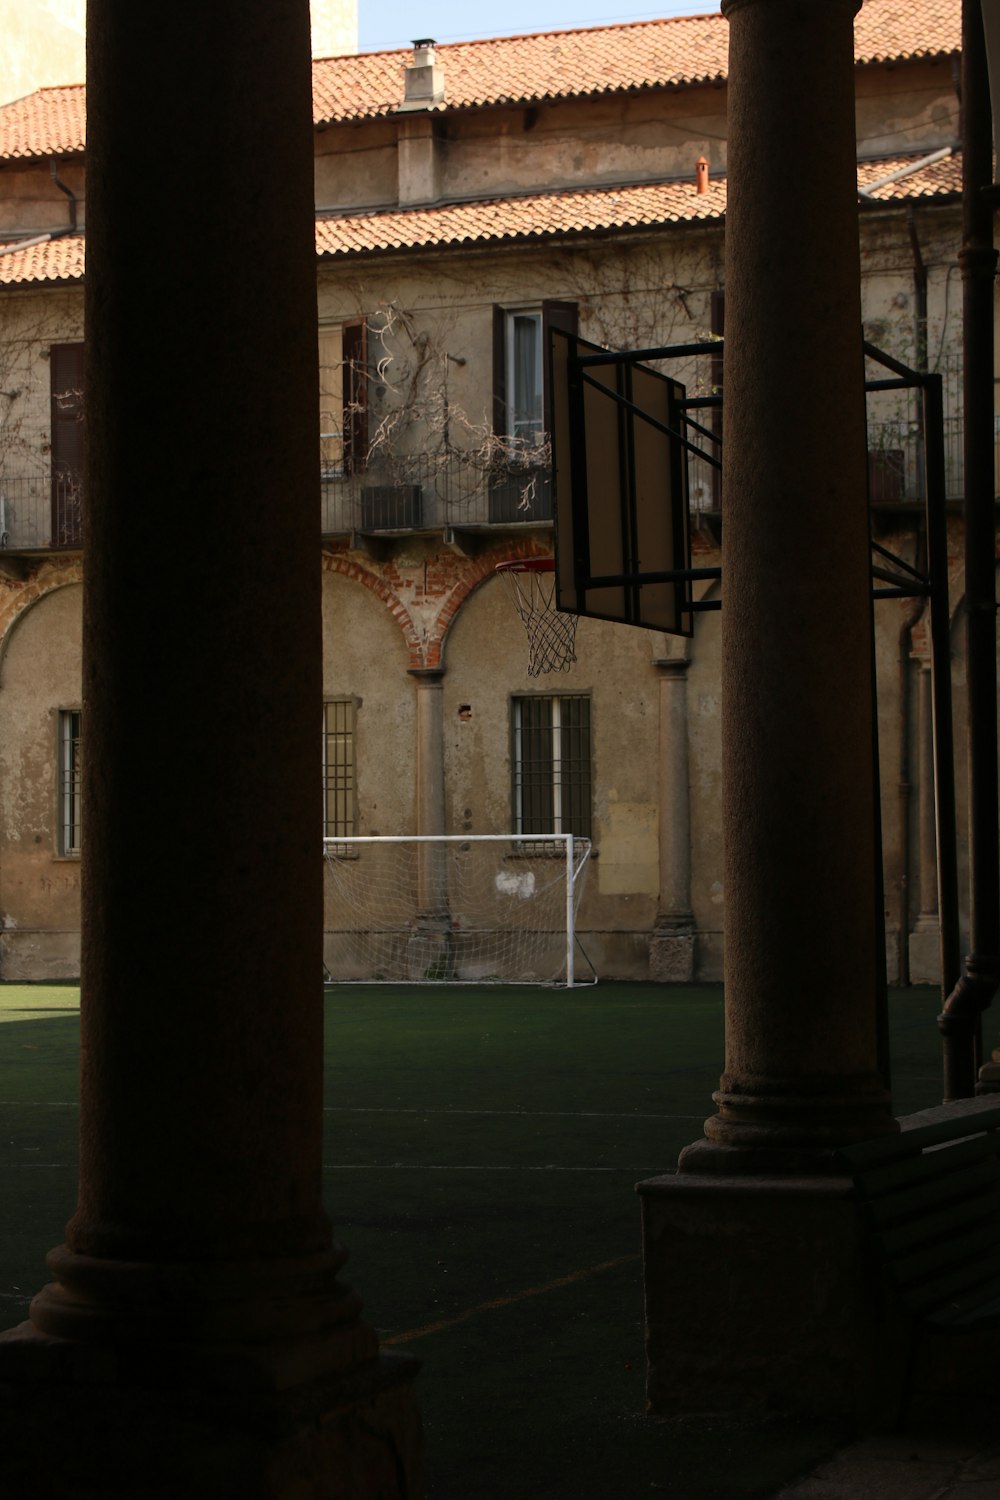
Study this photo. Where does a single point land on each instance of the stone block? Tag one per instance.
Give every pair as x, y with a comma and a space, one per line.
762, 1294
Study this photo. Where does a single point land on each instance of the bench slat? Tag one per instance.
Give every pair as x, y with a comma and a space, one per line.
945, 1122
900, 1235
959, 1262
960, 1317
926, 1197
927, 1167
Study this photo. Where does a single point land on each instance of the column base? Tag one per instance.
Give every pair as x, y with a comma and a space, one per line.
430, 948
925, 952
85, 1420
671, 953
761, 1294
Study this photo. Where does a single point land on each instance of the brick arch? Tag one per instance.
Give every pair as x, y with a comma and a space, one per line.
347, 567
19, 595
480, 569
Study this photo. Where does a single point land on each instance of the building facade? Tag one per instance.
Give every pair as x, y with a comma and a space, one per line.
469, 198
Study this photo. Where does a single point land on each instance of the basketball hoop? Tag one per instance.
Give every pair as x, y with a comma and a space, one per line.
531, 583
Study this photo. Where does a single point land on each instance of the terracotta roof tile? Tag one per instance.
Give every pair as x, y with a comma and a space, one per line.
49, 122
590, 211
893, 30
56, 260
606, 59
545, 65
497, 220
534, 216
936, 179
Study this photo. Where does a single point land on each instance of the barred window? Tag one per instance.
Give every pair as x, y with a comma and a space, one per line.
70, 787
551, 765
338, 769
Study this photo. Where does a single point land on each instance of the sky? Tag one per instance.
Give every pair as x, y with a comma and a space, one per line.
384, 24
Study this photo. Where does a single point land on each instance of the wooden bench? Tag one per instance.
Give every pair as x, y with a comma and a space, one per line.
932, 1198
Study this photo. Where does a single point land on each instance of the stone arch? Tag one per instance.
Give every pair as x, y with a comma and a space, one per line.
348, 567
18, 596
479, 570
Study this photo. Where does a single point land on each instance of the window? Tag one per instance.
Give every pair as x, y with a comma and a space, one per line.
520, 342
343, 398
70, 788
551, 765
338, 769
524, 378
67, 434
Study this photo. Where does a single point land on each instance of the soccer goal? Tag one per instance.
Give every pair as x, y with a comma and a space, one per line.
473, 909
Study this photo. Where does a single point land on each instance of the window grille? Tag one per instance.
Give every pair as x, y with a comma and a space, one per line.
338, 769
70, 786
552, 765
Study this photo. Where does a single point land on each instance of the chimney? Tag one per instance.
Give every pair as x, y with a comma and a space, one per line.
701, 175
424, 82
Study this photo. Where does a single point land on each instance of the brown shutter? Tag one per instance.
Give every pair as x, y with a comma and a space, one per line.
68, 442
499, 371
355, 396
564, 315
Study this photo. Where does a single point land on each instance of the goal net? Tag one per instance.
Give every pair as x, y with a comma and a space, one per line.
467, 908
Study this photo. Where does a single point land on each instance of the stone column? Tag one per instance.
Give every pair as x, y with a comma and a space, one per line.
431, 947
797, 761
758, 1288
671, 948
925, 939
197, 1339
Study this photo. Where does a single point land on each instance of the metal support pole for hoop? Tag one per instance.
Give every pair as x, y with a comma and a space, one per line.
531, 583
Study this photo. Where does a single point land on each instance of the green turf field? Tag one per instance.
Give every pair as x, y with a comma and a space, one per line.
481, 1150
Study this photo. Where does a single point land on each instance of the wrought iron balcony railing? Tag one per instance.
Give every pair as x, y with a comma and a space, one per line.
41, 513
427, 492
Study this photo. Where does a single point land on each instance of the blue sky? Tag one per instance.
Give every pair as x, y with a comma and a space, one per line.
396, 23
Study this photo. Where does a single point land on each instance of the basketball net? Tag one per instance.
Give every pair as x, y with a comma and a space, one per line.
551, 635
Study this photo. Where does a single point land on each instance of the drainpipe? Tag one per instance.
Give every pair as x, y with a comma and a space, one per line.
54, 170
905, 787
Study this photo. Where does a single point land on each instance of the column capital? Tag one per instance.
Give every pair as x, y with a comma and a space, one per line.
426, 675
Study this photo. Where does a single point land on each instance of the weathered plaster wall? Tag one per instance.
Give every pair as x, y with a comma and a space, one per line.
39, 889
905, 109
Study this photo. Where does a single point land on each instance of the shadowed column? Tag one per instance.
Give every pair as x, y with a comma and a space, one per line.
758, 1283
200, 1262
797, 761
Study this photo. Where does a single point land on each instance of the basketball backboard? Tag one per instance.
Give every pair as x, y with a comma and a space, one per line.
620, 488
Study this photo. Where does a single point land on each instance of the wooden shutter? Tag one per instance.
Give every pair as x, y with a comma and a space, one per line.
564, 315
500, 371
68, 442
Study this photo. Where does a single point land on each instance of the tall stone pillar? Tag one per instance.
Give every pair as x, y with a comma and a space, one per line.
756, 1227
196, 1339
925, 939
431, 947
671, 948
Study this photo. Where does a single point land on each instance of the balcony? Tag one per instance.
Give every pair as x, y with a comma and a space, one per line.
41, 513
895, 466
435, 492
462, 492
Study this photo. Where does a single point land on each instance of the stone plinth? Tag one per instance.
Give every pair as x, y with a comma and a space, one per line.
761, 1294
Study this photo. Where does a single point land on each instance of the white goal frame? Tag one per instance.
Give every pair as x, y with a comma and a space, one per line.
431, 906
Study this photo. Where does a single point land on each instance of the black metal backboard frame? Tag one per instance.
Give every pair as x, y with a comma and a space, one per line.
618, 380
620, 487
